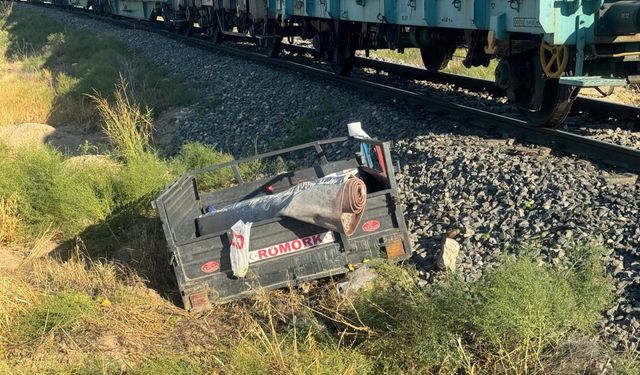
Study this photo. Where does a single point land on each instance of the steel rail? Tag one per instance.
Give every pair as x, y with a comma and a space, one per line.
585, 104
558, 140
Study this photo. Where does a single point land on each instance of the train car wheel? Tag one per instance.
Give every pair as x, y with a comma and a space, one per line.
556, 104
273, 47
436, 58
550, 102
217, 35
343, 55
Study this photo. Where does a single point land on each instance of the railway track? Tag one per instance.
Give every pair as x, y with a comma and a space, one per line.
558, 140
582, 104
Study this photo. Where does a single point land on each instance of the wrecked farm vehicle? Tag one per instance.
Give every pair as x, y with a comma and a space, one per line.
333, 212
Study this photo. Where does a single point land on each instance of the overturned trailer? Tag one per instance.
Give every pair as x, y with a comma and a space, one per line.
294, 237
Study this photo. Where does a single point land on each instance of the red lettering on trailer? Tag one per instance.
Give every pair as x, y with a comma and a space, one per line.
284, 247
291, 246
296, 244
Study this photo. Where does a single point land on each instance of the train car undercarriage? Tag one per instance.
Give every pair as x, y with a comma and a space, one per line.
542, 79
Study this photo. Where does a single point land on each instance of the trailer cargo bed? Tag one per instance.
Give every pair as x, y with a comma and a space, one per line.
283, 251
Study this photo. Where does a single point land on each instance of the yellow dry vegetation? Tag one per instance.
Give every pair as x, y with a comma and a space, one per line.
118, 317
26, 96
9, 218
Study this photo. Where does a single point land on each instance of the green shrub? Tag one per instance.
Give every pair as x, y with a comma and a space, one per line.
57, 311
415, 331
525, 307
502, 324
522, 308
195, 155
49, 192
142, 177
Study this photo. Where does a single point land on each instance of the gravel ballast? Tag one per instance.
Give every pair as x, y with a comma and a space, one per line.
497, 193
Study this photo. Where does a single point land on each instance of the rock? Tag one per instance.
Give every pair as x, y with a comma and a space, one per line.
28, 134
453, 233
448, 254
621, 179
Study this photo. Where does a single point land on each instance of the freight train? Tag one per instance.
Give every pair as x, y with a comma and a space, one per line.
547, 50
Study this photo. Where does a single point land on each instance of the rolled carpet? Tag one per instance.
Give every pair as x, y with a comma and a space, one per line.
335, 202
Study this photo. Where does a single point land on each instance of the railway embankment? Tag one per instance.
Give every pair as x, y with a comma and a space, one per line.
546, 275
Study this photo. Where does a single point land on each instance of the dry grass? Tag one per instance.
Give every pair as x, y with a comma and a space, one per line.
42, 246
625, 95
9, 221
125, 320
25, 96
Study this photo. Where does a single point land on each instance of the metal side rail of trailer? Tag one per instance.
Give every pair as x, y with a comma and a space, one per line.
282, 251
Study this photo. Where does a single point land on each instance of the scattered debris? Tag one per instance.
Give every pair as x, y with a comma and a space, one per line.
357, 280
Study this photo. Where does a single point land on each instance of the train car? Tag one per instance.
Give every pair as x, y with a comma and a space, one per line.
546, 49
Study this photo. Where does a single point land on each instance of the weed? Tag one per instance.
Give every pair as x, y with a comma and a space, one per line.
58, 311
414, 331
195, 156
49, 192
505, 323
127, 126
282, 336
518, 328
281, 354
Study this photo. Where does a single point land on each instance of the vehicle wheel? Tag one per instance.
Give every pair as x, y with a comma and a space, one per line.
273, 47
343, 56
216, 35
187, 29
557, 101
436, 58
549, 101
